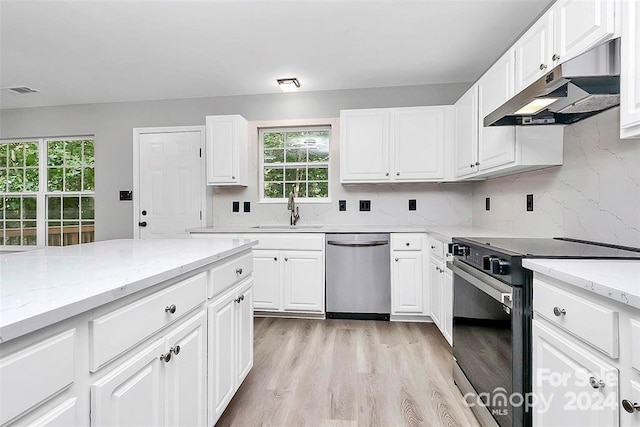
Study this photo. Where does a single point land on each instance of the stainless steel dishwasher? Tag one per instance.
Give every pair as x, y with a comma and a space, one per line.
358, 276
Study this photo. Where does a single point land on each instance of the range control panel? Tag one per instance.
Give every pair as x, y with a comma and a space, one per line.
504, 267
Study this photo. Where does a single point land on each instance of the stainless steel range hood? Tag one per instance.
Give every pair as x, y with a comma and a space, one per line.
572, 91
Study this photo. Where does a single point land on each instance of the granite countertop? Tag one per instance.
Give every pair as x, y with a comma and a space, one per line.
445, 232
618, 280
41, 287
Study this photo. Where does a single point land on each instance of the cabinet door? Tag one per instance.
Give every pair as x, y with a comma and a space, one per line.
64, 413
225, 135
407, 288
266, 276
496, 144
186, 372
244, 315
364, 145
447, 305
418, 138
630, 73
562, 376
580, 25
303, 281
133, 394
466, 142
222, 354
533, 52
436, 291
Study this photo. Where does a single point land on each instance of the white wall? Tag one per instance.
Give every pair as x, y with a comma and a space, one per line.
594, 195
113, 123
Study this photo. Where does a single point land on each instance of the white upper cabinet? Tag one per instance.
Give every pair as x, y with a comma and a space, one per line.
496, 144
466, 136
226, 150
630, 72
394, 144
568, 29
533, 52
580, 25
364, 145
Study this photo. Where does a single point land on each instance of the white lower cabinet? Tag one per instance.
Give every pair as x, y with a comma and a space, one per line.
441, 288
579, 388
230, 343
161, 384
408, 286
447, 305
303, 284
436, 288
266, 280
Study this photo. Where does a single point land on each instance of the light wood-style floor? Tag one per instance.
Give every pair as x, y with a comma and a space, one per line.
348, 373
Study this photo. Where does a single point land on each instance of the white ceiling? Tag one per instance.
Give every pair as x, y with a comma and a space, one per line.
92, 51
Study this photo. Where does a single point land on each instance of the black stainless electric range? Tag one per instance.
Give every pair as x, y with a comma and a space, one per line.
492, 319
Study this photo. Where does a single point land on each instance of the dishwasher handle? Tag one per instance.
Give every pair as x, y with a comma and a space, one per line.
357, 244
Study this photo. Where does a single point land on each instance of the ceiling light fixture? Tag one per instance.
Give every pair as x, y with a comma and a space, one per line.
289, 85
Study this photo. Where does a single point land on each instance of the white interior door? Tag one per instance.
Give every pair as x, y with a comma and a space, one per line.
171, 188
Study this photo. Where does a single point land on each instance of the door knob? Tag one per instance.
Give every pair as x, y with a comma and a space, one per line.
543, 66
559, 311
170, 309
555, 57
630, 406
142, 223
166, 357
144, 213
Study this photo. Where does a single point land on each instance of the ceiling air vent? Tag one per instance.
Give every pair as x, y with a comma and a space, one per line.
22, 89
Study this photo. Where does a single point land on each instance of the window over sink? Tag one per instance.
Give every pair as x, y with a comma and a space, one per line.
294, 160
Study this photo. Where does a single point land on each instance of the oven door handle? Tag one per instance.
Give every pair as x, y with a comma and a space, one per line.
487, 284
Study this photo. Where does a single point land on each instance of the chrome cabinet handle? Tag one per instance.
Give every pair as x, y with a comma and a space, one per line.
477, 163
237, 300
175, 350
559, 311
166, 358
433, 247
408, 244
142, 223
233, 177
239, 271
596, 383
170, 309
555, 57
275, 258
386, 174
543, 66
471, 165
396, 259
630, 406
286, 259
397, 173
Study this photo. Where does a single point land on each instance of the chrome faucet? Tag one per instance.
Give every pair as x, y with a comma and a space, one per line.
293, 209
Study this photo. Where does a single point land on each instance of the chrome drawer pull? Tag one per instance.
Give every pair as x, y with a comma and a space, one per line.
630, 406
239, 271
596, 383
166, 357
559, 311
170, 309
175, 350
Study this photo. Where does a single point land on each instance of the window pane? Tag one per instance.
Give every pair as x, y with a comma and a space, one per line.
54, 233
87, 233
3, 180
73, 153
273, 140
54, 208
55, 153
318, 189
299, 189
55, 179
71, 207
72, 179
274, 156
12, 208
271, 174
296, 155
29, 208
4, 148
31, 182
16, 154
318, 155
273, 190
295, 174
88, 180
29, 233
31, 154
87, 207
318, 174
89, 158
15, 180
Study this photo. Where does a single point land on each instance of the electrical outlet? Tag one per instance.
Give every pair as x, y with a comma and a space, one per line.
342, 205
235, 207
365, 205
247, 206
126, 195
529, 202
487, 204
412, 204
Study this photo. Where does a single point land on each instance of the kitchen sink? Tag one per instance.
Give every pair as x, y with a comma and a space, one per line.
287, 227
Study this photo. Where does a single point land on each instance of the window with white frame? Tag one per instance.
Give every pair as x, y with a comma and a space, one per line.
47, 192
294, 160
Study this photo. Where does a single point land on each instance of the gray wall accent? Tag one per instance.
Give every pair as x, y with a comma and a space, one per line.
113, 124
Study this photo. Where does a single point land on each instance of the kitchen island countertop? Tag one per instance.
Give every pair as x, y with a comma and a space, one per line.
44, 286
618, 280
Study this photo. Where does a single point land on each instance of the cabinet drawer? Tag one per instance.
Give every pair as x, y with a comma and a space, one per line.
230, 273
406, 242
436, 248
113, 333
34, 374
595, 324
